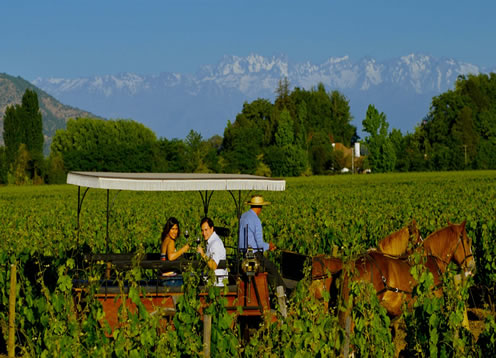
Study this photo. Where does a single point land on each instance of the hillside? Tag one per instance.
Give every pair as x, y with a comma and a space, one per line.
55, 114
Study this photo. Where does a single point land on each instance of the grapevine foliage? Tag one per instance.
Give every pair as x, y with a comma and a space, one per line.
38, 234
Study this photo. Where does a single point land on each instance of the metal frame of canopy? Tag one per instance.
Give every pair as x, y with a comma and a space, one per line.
205, 184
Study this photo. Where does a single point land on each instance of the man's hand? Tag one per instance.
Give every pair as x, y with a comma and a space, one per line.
272, 247
210, 263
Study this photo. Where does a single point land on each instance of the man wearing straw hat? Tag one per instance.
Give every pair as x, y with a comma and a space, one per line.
251, 235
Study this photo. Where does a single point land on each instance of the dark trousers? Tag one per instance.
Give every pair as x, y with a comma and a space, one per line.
273, 275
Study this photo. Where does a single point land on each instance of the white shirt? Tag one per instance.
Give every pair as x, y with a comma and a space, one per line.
216, 251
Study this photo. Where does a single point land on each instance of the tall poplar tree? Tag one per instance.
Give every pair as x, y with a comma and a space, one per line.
3, 166
12, 133
382, 155
33, 123
23, 125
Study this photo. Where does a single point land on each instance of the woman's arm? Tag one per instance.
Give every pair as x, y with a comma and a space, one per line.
172, 254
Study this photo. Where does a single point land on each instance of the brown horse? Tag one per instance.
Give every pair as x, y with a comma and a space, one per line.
391, 277
451, 244
323, 270
397, 243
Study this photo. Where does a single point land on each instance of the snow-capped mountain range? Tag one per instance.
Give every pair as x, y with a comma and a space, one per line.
172, 104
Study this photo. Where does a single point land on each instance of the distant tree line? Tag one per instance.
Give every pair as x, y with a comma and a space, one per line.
458, 133
292, 136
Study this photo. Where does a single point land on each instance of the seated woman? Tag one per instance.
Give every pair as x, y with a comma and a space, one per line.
169, 235
168, 251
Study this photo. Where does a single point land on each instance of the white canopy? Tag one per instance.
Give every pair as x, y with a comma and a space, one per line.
174, 181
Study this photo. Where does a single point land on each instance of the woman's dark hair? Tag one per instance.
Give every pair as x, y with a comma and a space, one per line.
168, 226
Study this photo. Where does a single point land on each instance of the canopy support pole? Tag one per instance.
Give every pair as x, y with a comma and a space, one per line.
109, 207
80, 205
238, 203
108, 217
206, 201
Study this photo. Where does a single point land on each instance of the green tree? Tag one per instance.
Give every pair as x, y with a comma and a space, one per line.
212, 148
196, 152
319, 111
464, 134
382, 157
418, 149
320, 153
325, 112
12, 133
3, 166
19, 173
23, 125
341, 118
241, 148
442, 157
244, 139
460, 129
34, 124
285, 133
338, 160
403, 157
301, 136
283, 99
262, 130
56, 172
486, 155
116, 145
170, 156
32, 120
286, 158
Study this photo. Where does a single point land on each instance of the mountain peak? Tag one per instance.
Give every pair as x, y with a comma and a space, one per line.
253, 63
173, 103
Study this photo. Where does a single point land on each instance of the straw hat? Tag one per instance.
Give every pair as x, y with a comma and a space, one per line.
257, 200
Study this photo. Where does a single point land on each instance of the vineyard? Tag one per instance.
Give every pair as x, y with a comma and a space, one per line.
38, 233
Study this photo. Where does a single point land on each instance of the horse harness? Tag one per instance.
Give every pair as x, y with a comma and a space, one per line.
383, 279
396, 289
460, 240
325, 270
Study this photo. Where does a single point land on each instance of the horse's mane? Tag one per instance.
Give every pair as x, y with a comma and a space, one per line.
437, 240
396, 244
447, 230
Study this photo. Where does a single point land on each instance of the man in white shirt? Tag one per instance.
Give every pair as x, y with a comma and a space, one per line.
215, 250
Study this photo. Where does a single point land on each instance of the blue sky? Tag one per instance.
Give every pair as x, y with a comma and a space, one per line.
69, 38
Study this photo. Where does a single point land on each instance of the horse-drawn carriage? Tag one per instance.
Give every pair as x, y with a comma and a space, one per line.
247, 288
247, 291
